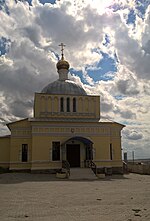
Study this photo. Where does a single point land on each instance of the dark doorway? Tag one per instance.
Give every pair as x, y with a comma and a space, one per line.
73, 154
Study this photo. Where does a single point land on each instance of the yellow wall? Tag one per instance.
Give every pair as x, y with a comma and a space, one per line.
4, 151
44, 133
47, 132
20, 134
41, 131
16, 152
42, 152
49, 106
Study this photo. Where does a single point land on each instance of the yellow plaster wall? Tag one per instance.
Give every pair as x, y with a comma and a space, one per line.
20, 134
16, 151
44, 133
41, 148
42, 152
109, 163
49, 106
4, 151
117, 155
101, 147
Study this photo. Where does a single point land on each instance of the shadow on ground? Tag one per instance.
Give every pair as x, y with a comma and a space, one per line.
12, 178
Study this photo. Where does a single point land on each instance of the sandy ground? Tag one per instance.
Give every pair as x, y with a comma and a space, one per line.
41, 197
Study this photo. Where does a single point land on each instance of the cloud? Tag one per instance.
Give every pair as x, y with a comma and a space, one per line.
34, 33
127, 87
133, 135
127, 114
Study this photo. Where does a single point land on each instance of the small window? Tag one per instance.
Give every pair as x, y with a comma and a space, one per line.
55, 151
24, 152
68, 104
111, 151
62, 104
74, 104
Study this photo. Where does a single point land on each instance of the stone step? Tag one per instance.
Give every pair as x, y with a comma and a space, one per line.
82, 174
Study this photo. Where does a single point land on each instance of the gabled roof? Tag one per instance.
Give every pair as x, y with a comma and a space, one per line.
106, 120
15, 122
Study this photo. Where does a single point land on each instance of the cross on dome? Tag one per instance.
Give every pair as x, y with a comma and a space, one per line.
62, 45
62, 65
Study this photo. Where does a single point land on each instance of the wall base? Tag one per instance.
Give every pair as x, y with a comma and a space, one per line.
110, 170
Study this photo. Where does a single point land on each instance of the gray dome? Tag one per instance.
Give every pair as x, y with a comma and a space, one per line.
64, 87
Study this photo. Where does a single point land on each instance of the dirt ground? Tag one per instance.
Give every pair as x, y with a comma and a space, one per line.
41, 197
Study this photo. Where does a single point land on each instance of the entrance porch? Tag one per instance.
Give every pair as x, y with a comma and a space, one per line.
77, 150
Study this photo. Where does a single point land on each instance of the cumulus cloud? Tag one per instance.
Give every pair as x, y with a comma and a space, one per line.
133, 135
34, 33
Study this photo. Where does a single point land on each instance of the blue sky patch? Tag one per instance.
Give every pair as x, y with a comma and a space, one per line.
105, 69
131, 17
3, 6
47, 1
41, 1
80, 74
29, 1
4, 45
141, 6
107, 40
116, 7
119, 97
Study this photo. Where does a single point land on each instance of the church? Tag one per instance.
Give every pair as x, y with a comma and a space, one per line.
65, 128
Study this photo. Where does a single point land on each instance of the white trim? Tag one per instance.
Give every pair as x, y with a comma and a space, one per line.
111, 161
4, 162
40, 161
44, 168
75, 134
16, 168
22, 136
18, 162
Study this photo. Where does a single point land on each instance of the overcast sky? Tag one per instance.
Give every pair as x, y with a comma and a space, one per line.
107, 46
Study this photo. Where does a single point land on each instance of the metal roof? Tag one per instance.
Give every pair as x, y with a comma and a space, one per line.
64, 87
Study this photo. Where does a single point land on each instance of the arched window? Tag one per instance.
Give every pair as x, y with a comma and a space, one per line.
74, 104
61, 104
111, 152
56, 151
24, 153
68, 104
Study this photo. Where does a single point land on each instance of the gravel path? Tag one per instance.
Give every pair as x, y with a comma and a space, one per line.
41, 197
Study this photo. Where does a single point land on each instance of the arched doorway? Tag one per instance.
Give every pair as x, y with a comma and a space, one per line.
76, 150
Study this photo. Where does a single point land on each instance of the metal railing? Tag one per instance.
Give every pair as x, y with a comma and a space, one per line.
125, 167
66, 167
92, 165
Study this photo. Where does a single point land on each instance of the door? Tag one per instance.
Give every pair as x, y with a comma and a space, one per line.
73, 154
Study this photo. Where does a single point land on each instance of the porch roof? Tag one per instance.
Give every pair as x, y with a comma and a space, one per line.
81, 139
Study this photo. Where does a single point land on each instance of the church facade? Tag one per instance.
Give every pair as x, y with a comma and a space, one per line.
66, 126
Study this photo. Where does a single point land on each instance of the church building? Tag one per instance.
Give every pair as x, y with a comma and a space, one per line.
65, 127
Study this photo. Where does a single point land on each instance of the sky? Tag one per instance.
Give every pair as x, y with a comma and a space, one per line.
107, 46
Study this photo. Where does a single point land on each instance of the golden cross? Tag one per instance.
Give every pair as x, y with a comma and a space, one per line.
62, 50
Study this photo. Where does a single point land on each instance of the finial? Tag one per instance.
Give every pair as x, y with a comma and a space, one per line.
62, 50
